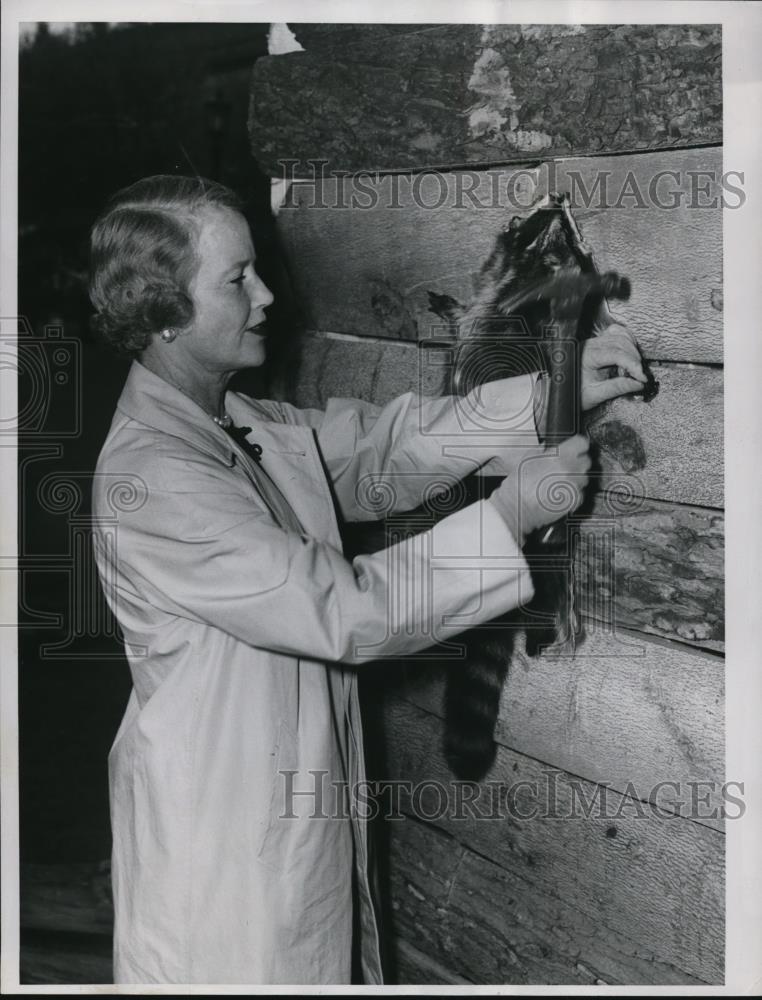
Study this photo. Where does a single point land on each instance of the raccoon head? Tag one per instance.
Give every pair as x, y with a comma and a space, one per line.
539, 266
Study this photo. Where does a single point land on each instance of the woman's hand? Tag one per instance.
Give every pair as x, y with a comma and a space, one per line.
613, 349
548, 484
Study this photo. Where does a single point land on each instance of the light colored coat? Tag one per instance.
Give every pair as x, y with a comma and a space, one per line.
242, 638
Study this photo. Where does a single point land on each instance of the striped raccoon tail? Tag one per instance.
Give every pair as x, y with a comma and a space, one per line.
472, 700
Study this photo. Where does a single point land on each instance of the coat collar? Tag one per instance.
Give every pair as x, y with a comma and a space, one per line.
148, 399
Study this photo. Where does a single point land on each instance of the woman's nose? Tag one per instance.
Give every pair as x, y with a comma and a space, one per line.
262, 296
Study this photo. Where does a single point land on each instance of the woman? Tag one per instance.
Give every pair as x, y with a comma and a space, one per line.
243, 623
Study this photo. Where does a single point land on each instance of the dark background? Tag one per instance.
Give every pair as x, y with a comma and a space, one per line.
99, 107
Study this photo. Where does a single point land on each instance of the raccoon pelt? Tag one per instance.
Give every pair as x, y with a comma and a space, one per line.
540, 273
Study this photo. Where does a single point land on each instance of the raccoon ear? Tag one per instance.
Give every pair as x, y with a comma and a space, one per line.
445, 306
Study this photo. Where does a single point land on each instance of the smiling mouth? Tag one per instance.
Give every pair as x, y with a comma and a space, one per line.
259, 328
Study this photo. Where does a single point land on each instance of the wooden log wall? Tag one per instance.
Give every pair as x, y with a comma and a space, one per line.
431, 137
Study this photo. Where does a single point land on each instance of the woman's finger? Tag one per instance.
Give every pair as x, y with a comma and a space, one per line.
628, 364
576, 446
610, 388
624, 355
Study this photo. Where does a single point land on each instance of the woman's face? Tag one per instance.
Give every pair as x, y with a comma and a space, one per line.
227, 332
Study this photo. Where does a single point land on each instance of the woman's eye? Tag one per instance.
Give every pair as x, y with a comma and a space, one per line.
238, 280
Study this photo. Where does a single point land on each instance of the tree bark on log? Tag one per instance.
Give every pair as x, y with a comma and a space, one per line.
398, 97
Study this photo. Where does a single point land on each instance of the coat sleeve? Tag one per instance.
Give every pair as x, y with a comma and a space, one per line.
414, 445
197, 548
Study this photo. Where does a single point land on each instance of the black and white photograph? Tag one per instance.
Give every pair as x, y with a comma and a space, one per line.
374, 383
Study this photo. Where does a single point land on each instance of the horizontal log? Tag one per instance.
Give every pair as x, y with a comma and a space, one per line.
364, 252
672, 447
405, 96
494, 926
657, 882
622, 712
413, 967
668, 449
653, 566
664, 231
356, 368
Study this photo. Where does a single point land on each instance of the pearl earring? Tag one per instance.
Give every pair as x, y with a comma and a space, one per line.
168, 336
